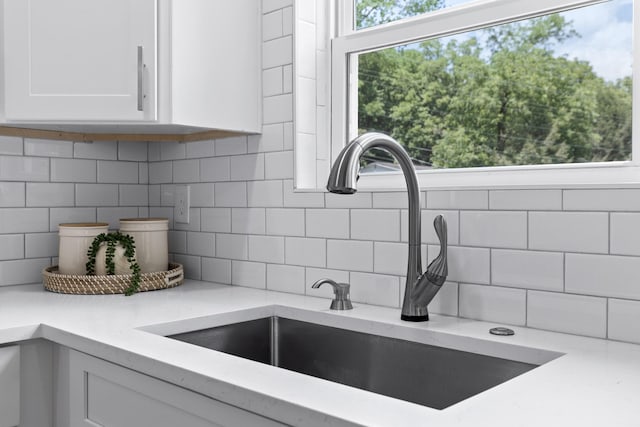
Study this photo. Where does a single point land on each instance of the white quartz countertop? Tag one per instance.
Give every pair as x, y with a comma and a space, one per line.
593, 383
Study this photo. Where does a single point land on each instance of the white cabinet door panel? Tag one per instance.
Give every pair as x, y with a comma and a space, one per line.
10, 386
79, 59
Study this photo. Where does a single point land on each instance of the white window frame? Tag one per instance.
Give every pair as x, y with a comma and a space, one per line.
453, 20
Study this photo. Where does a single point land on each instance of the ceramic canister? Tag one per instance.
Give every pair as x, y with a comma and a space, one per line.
75, 240
152, 246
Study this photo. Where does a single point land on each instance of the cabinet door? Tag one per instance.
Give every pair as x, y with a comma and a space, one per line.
9, 386
80, 60
108, 395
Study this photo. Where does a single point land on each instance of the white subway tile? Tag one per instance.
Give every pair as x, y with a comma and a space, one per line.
202, 195
446, 300
45, 194
11, 145
167, 195
324, 291
177, 241
285, 278
143, 212
11, 246
306, 252
247, 167
216, 270
277, 109
22, 271
191, 264
390, 258
231, 146
264, 193
350, 255
73, 170
161, 212
301, 199
624, 320
573, 314
250, 274
272, 139
102, 150
375, 224
194, 221
13, 168
465, 264
215, 169
493, 304
458, 199
306, 160
375, 289
271, 5
66, 215
96, 194
216, 219
200, 149
504, 229
12, 194
143, 173
272, 81
248, 220
287, 73
605, 275
40, 245
24, 220
155, 195
160, 172
394, 200
529, 200
611, 199
285, 222
305, 57
186, 171
266, 249
569, 231
134, 151
277, 52
172, 151
279, 165
331, 223
342, 201
306, 104
48, 148
133, 195
625, 233
117, 172
153, 151
230, 194
528, 269
233, 246
203, 244
112, 215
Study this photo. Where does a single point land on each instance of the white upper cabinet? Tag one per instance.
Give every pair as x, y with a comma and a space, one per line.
98, 65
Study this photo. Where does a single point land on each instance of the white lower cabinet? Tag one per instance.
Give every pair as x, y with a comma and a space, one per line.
9, 386
104, 394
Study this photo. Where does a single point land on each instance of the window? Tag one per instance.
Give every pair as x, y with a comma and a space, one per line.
500, 92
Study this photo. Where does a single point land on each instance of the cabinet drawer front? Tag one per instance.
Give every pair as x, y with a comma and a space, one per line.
104, 394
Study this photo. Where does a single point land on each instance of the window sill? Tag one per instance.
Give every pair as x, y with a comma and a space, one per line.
592, 175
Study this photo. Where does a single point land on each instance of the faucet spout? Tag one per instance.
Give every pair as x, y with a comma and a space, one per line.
420, 288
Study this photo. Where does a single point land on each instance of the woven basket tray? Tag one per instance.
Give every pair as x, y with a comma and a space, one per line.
109, 284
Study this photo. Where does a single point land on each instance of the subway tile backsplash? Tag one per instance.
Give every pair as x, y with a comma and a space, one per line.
559, 259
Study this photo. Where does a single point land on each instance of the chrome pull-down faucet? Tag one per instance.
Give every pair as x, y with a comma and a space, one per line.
421, 287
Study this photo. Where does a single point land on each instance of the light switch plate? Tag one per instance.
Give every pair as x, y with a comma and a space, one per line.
182, 204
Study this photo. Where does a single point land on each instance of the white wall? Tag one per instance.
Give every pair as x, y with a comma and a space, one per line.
561, 259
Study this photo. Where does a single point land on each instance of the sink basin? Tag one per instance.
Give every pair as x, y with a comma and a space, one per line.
428, 375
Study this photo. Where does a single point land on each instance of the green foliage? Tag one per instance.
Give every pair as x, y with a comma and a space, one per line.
501, 97
111, 240
376, 12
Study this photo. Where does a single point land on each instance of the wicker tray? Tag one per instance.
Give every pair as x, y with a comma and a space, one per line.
109, 284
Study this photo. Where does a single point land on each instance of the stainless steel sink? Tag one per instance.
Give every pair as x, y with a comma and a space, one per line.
432, 376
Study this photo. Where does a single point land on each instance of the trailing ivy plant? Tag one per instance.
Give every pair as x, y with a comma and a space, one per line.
112, 240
